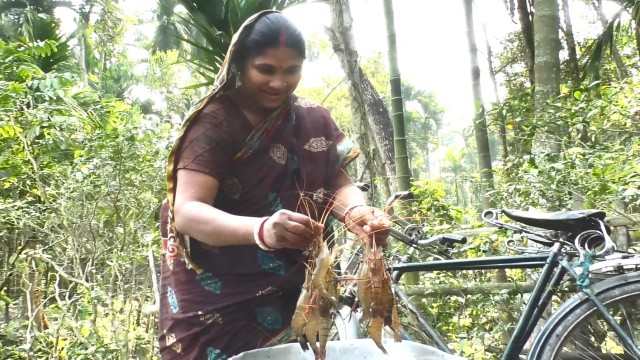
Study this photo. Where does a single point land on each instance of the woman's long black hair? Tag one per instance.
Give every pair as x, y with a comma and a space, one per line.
273, 30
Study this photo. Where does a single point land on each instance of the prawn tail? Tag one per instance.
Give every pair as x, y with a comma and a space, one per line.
395, 324
303, 343
375, 332
323, 338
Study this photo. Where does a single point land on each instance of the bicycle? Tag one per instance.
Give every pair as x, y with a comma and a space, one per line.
600, 321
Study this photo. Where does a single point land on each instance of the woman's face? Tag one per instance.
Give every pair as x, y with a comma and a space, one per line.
271, 77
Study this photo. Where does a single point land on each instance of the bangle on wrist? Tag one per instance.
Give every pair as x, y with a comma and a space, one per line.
348, 210
258, 235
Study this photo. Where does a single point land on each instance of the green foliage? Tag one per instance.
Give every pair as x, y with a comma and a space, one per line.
423, 121
87, 337
603, 126
81, 184
82, 170
618, 35
431, 207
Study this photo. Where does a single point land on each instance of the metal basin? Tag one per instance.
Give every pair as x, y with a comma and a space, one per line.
358, 349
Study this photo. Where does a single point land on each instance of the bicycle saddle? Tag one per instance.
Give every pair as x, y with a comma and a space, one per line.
571, 221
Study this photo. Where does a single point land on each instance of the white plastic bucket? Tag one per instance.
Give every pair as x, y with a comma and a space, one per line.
358, 349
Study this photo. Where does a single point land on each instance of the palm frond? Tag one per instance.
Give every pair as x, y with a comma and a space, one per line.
596, 51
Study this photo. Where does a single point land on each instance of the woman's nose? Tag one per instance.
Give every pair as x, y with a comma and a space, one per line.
278, 84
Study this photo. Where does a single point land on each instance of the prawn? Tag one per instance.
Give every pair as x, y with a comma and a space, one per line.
322, 302
314, 312
302, 315
317, 328
322, 273
312, 326
376, 296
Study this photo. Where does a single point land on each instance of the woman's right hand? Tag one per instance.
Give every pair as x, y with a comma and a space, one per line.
288, 229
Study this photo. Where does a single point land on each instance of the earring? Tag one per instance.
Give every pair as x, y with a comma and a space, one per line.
235, 75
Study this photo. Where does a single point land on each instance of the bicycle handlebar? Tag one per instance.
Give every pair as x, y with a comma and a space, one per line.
401, 195
446, 240
449, 240
364, 187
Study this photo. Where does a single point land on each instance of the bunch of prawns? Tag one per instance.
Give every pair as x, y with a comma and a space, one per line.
315, 310
317, 303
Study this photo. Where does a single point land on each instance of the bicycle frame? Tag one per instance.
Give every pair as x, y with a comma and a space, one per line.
551, 275
585, 233
554, 269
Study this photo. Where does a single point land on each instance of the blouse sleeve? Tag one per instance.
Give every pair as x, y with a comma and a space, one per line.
346, 149
326, 149
208, 145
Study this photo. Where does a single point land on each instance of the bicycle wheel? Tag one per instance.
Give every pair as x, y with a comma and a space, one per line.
579, 331
346, 325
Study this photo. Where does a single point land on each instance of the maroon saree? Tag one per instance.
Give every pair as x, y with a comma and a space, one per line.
218, 302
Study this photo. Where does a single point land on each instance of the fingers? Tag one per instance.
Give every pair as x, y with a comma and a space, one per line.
301, 224
287, 229
369, 224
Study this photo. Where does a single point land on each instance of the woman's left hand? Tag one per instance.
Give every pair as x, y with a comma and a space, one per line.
369, 224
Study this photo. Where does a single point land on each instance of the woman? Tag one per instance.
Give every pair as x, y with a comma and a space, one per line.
236, 175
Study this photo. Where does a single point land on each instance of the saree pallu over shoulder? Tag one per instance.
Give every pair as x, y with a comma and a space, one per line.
225, 81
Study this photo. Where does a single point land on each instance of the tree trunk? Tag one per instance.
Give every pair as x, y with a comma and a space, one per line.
574, 68
502, 126
403, 172
369, 112
500, 278
34, 295
479, 121
636, 29
526, 27
547, 73
84, 17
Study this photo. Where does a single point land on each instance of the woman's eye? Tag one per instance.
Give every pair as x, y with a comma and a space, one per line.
292, 70
265, 70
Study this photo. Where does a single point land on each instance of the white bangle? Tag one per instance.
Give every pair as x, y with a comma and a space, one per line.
348, 210
257, 234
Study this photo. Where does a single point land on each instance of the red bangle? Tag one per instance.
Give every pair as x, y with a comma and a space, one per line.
348, 211
258, 235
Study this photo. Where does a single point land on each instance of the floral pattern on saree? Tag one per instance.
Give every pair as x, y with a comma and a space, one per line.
232, 187
278, 153
173, 343
173, 300
215, 354
270, 263
210, 282
269, 318
213, 318
318, 144
274, 202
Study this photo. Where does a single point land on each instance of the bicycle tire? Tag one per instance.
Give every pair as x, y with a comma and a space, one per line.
346, 324
578, 330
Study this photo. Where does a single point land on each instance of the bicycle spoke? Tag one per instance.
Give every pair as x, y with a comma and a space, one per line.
592, 338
